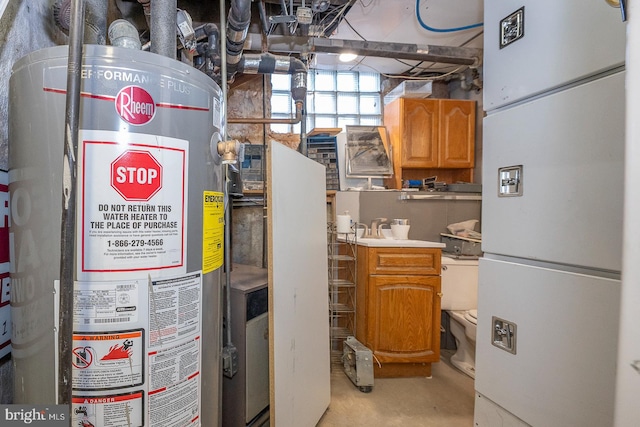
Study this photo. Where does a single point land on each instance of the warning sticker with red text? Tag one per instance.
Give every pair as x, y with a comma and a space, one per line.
133, 202
108, 361
175, 309
119, 410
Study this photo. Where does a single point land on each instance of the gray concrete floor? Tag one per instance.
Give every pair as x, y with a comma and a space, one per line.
444, 400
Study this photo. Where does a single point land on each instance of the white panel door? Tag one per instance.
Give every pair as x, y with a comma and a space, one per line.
563, 372
563, 41
571, 148
298, 288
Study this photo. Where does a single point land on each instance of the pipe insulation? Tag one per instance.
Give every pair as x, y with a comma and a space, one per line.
237, 27
267, 63
163, 27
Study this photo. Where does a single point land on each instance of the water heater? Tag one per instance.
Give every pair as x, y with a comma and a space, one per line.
149, 248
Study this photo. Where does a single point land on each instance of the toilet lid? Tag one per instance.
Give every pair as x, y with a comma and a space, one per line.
472, 316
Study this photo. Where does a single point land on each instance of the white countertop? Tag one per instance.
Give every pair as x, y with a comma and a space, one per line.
382, 243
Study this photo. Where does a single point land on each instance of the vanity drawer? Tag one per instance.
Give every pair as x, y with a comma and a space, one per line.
415, 261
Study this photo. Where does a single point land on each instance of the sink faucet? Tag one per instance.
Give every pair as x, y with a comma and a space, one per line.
374, 230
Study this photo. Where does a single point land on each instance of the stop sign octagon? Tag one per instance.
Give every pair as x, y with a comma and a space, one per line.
136, 175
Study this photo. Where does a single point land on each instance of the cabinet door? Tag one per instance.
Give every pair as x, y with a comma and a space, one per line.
420, 133
457, 134
404, 318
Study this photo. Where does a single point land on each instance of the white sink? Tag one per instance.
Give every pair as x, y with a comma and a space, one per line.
380, 243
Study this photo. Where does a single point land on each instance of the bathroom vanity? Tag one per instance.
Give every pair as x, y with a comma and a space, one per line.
398, 305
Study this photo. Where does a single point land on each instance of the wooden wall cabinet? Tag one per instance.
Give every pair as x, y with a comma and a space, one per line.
398, 308
428, 134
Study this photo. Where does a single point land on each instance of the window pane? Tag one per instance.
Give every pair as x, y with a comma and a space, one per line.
347, 81
280, 82
347, 103
325, 121
334, 99
309, 106
280, 128
343, 121
371, 120
325, 103
369, 82
310, 123
311, 80
370, 103
280, 103
325, 80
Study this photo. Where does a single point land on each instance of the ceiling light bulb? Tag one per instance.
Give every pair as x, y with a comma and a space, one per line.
347, 57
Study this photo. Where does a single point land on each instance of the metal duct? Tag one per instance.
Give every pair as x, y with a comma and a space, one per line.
163, 27
95, 19
123, 33
237, 27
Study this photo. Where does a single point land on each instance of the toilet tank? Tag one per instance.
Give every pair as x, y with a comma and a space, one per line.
459, 283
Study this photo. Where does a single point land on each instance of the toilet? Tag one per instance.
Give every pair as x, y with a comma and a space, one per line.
460, 300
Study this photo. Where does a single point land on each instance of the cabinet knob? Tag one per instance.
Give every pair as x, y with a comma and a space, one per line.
439, 294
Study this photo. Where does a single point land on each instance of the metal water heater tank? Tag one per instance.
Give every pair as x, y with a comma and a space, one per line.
150, 234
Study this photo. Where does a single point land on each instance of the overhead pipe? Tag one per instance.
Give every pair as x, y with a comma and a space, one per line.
95, 22
163, 27
69, 194
146, 5
263, 17
267, 63
237, 29
428, 53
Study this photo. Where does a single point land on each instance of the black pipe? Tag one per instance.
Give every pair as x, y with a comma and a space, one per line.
237, 26
263, 17
209, 51
69, 189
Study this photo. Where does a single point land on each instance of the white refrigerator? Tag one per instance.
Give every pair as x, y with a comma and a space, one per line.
553, 155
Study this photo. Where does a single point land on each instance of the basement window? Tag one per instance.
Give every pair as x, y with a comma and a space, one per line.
334, 99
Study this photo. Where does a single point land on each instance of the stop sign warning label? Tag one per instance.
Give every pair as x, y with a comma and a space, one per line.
133, 213
136, 175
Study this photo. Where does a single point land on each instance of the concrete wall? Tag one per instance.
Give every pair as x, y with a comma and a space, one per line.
26, 25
